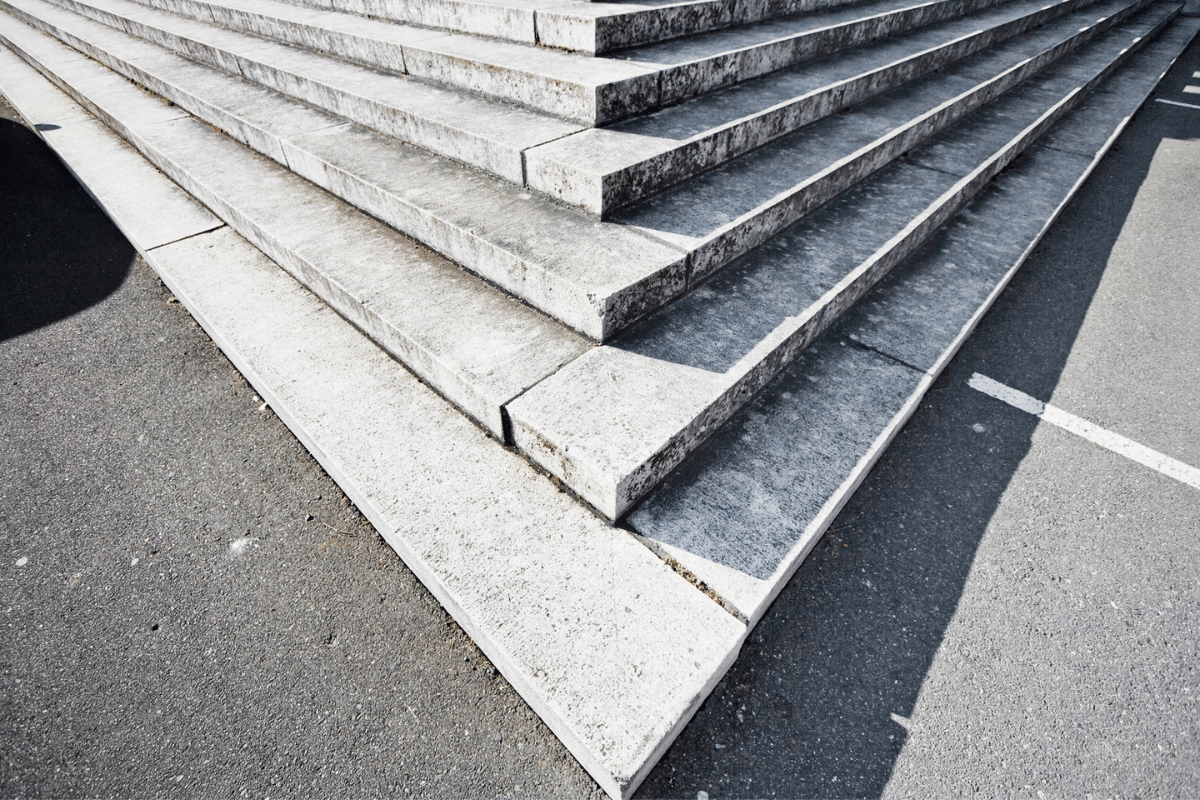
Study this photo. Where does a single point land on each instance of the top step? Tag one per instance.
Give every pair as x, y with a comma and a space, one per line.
570, 86
580, 26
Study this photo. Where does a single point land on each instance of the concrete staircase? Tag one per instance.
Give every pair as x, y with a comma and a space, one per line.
700, 256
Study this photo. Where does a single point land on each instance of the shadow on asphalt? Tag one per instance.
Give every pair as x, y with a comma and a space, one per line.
817, 704
45, 276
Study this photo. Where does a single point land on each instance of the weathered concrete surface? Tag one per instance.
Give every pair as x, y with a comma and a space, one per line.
602, 170
595, 277
616, 421
473, 130
720, 215
746, 509
992, 656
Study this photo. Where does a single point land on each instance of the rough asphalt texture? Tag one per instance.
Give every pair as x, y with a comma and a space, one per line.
190, 607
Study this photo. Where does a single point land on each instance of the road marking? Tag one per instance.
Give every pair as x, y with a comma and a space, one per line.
1191, 90
1093, 433
1196, 74
1176, 103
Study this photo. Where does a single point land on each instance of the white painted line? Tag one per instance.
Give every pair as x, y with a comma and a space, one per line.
1176, 103
1191, 90
1093, 433
1196, 74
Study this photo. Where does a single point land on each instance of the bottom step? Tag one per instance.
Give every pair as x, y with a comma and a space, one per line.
608, 644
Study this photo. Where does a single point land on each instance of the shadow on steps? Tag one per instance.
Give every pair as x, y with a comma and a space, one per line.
810, 708
45, 276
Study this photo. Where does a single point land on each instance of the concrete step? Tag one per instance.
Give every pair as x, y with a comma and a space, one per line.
583, 89
611, 648
616, 421
604, 169
743, 511
471, 342
578, 25
484, 134
724, 213
596, 277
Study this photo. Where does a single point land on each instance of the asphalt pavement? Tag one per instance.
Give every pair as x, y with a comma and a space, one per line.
190, 607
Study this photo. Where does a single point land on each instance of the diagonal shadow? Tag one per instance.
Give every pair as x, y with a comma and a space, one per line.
45, 276
807, 710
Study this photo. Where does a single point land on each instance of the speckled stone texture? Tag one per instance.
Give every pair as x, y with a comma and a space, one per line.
615, 422
745, 509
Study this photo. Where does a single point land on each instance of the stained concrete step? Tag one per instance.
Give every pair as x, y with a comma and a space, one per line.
604, 169
725, 213
471, 342
611, 648
743, 511
616, 421
586, 90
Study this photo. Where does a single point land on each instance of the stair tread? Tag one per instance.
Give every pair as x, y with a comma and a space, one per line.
576, 268
619, 417
601, 169
484, 133
718, 209
470, 341
800, 448
573, 85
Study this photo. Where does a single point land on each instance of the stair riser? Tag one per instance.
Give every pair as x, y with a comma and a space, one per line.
488, 155
606, 194
691, 80
512, 23
371, 52
753, 230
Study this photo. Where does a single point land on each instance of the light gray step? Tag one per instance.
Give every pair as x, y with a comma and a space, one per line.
578, 25
751, 502
596, 277
586, 90
603, 169
536, 580
724, 213
483, 133
616, 421
471, 342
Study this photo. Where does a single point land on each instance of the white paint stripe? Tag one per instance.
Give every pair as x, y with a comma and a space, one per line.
1191, 90
1093, 433
1196, 74
1175, 103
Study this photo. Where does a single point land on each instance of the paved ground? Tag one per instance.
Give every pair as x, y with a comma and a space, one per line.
190, 607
